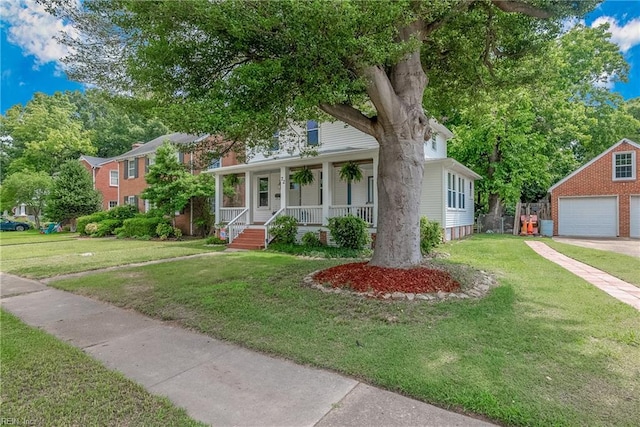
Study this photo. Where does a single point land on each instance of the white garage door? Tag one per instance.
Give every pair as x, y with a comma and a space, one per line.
634, 221
588, 216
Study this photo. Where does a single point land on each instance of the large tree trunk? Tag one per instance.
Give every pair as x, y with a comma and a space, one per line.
400, 128
400, 172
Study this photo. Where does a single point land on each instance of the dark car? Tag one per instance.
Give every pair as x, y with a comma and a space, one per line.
6, 225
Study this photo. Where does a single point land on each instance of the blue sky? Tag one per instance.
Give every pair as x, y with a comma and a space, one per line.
30, 55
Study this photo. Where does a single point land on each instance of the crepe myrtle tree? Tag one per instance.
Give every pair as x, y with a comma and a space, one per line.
245, 69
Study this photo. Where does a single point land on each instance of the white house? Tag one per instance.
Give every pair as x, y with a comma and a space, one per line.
447, 194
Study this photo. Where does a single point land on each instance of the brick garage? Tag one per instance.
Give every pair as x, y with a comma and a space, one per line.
602, 198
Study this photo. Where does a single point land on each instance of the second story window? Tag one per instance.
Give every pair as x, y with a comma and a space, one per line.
113, 178
215, 164
132, 169
275, 142
623, 166
313, 137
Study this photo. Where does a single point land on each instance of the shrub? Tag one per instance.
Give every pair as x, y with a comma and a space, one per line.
177, 233
142, 226
90, 228
82, 222
349, 232
285, 229
164, 230
122, 212
214, 240
430, 235
311, 239
106, 227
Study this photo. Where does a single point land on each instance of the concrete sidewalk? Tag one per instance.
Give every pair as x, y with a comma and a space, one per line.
619, 289
216, 382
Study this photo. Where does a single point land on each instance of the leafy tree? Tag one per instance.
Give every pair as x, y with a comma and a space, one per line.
244, 69
44, 134
72, 194
170, 185
29, 188
114, 127
523, 132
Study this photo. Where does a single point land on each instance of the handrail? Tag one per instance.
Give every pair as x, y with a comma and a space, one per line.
267, 226
235, 229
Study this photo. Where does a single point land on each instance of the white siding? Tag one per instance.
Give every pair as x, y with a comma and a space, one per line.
311, 192
440, 151
333, 137
338, 135
432, 195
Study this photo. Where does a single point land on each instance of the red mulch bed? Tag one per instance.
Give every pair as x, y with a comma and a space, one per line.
361, 277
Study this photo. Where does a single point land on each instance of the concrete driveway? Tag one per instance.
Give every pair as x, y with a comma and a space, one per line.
620, 245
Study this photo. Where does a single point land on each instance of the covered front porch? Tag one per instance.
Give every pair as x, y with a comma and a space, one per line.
269, 191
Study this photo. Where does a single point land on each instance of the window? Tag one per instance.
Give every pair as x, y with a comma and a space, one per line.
369, 189
113, 204
131, 200
113, 179
132, 168
452, 194
215, 164
461, 195
263, 192
624, 166
312, 133
275, 142
293, 185
434, 143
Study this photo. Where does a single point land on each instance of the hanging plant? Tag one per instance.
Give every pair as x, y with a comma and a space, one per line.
350, 171
303, 176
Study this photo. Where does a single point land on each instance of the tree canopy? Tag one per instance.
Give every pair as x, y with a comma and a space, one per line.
30, 188
244, 69
72, 194
51, 129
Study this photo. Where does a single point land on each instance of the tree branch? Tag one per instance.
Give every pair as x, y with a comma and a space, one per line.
351, 116
381, 93
511, 6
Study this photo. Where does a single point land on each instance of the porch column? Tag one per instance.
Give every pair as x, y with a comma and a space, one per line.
248, 195
218, 197
284, 186
375, 190
326, 191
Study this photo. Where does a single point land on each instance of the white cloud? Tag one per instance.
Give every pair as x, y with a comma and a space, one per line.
626, 36
33, 29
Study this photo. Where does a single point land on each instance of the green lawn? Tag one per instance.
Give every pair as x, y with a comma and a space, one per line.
45, 255
544, 348
46, 382
624, 267
32, 236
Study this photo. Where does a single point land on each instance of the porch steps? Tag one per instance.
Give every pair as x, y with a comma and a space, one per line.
250, 238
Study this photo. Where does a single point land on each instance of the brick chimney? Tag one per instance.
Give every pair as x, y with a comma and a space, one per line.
136, 145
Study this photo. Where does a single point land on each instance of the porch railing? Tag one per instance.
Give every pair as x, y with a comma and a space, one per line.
237, 224
268, 224
361, 211
306, 214
227, 214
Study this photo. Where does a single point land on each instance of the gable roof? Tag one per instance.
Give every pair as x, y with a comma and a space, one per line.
95, 161
152, 146
595, 159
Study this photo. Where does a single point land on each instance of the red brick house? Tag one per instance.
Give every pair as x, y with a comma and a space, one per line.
134, 164
602, 198
105, 175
